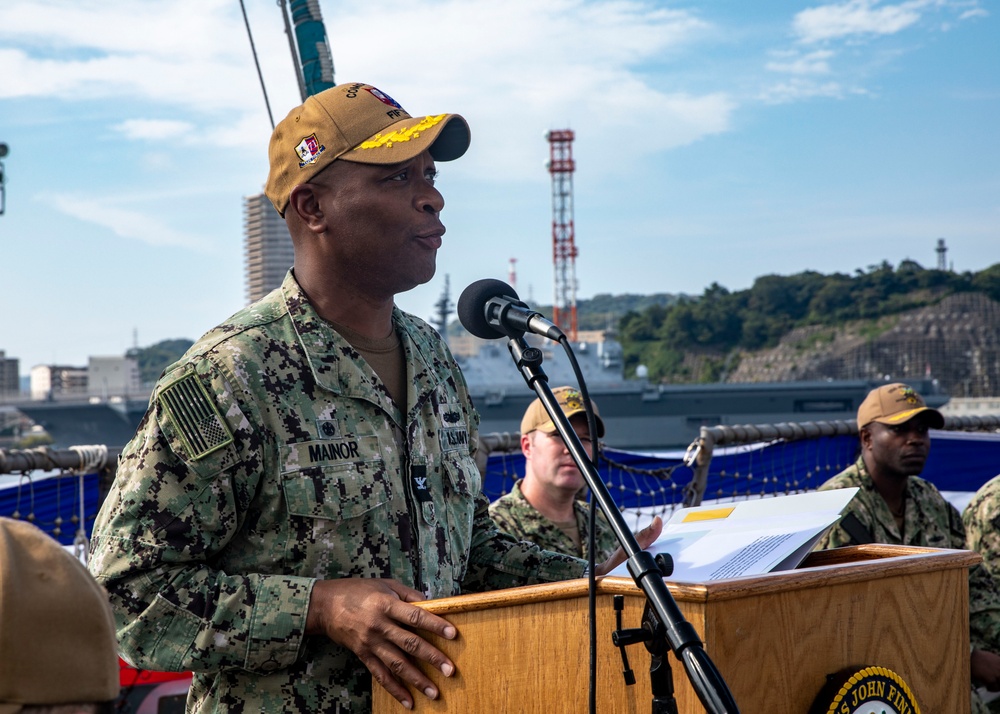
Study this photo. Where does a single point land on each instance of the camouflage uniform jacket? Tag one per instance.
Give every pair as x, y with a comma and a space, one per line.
272, 456
981, 518
929, 521
982, 525
513, 514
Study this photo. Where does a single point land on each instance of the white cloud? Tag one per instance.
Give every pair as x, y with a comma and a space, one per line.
131, 225
793, 63
519, 68
975, 12
856, 17
153, 128
797, 89
515, 69
177, 53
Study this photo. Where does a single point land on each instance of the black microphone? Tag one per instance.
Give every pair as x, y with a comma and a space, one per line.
490, 309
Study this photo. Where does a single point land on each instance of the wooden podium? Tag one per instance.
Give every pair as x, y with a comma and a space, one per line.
774, 638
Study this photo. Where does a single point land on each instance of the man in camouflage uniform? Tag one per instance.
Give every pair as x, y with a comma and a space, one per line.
982, 524
544, 507
306, 471
894, 505
981, 518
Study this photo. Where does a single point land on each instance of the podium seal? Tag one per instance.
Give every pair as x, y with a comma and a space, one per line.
865, 690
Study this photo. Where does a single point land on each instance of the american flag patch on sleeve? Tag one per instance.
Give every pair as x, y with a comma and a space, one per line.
199, 423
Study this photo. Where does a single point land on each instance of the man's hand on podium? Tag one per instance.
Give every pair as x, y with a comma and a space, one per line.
646, 537
373, 618
985, 668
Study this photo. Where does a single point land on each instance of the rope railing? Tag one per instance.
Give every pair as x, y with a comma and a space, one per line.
62, 504
77, 459
699, 454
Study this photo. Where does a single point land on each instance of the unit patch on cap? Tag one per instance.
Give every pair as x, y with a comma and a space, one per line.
573, 401
384, 98
309, 150
909, 396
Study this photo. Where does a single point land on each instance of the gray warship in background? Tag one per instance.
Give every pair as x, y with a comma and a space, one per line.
640, 415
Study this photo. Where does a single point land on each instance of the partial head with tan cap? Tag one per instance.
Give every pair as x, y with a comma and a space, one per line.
893, 425
551, 477
359, 123
570, 400
895, 404
57, 632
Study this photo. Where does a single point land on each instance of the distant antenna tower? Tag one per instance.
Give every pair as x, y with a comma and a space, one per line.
444, 307
512, 273
942, 252
564, 252
3, 189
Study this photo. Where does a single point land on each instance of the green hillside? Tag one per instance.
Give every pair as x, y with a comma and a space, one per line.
155, 358
719, 326
818, 325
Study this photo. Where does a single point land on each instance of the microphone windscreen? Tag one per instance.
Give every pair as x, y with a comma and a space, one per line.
472, 306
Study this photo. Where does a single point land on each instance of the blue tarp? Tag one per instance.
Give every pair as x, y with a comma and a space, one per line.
657, 480
51, 502
958, 462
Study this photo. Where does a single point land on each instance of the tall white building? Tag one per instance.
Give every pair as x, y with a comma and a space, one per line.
267, 248
51, 381
113, 377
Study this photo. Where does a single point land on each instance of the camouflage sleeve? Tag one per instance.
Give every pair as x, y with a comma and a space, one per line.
181, 495
984, 597
984, 610
982, 525
837, 536
500, 512
498, 560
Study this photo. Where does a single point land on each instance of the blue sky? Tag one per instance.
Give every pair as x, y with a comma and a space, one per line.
715, 142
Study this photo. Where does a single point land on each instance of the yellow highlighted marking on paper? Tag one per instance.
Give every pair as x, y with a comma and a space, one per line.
710, 515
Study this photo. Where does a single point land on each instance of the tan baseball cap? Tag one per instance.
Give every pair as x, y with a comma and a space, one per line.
57, 633
894, 404
354, 122
570, 401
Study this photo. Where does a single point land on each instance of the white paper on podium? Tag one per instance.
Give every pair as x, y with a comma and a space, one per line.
748, 537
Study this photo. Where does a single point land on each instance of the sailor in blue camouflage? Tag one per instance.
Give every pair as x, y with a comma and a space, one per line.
292, 489
894, 423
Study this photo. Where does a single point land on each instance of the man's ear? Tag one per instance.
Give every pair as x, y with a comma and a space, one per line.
865, 435
304, 202
526, 445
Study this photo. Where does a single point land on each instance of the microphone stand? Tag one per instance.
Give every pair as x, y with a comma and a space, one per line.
679, 634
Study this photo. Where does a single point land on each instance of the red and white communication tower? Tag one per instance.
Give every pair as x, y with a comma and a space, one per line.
512, 273
564, 253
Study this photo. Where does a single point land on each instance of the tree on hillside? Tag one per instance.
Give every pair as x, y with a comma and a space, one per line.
155, 358
718, 322
988, 281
